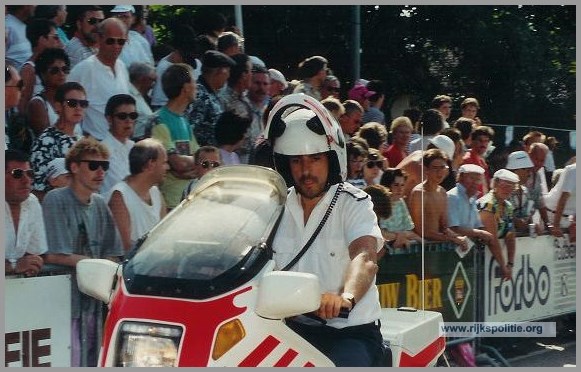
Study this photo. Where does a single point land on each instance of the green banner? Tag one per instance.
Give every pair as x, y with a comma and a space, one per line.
449, 286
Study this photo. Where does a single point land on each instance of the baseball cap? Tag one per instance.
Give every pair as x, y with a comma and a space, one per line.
215, 59
278, 76
123, 9
360, 93
471, 168
56, 167
445, 144
519, 160
505, 174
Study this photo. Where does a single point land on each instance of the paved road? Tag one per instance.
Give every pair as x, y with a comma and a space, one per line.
549, 355
541, 352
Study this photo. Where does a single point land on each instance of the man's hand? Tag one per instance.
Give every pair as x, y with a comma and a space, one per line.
555, 231
331, 304
507, 272
29, 265
461, 241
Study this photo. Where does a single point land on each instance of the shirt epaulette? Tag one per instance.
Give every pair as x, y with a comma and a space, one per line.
353, 191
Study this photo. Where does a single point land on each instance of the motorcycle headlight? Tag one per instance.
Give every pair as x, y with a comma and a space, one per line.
147, 345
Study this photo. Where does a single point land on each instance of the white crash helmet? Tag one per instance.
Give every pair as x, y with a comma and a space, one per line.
300, 125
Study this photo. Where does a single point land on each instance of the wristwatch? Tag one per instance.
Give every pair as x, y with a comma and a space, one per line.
349, 297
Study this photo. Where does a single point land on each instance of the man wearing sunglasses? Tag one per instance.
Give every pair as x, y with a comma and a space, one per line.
137, 48
80, 225
206, 158
121, 115
103, 75
84, 43
24, 227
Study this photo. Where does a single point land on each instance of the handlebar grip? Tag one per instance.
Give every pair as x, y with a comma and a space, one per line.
344, 313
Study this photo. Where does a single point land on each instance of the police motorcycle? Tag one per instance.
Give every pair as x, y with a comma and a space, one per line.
201, 288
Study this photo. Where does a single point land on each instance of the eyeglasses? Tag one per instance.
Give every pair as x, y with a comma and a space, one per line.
125, 115
113, 40
19, 85
94, 21
18, 173
55, 70
208, 163
73, 103
377, 163
96, 164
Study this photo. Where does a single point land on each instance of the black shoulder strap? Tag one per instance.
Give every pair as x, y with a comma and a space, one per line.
317, 230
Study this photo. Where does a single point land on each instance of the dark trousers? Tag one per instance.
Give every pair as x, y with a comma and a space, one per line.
357, 346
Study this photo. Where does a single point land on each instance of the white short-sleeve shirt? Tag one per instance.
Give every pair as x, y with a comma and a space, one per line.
328, 257
31, 235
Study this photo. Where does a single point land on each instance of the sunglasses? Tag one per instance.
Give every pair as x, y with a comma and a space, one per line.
8, 75
113, 40
334, 89
73, 103
208, 163
55, 70
125, 115
375, 163
94, 21
18, 173
96, 164
18, 85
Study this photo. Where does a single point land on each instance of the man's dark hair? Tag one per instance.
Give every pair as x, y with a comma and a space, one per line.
38, 27
482, 130
439, 100
311, 66
237, 71
464, 125
432, 122
15, 155
84, 9
174, 78
414, 113
116, 101
231, 128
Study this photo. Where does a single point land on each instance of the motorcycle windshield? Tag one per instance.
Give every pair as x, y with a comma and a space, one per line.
214, 239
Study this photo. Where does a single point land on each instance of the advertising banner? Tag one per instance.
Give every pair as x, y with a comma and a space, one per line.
543, 283
37, 321
449, 284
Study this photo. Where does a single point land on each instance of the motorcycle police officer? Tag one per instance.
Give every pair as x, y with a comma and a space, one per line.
329, 229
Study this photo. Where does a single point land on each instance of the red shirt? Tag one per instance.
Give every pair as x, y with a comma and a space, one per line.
394, 155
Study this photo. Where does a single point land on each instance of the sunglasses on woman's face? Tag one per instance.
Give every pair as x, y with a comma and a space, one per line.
18, 173
375, 163
125, 115
73, 103
96, 164
55, 70
208, 163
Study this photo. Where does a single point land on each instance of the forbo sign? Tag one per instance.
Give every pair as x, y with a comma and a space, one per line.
526, 287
